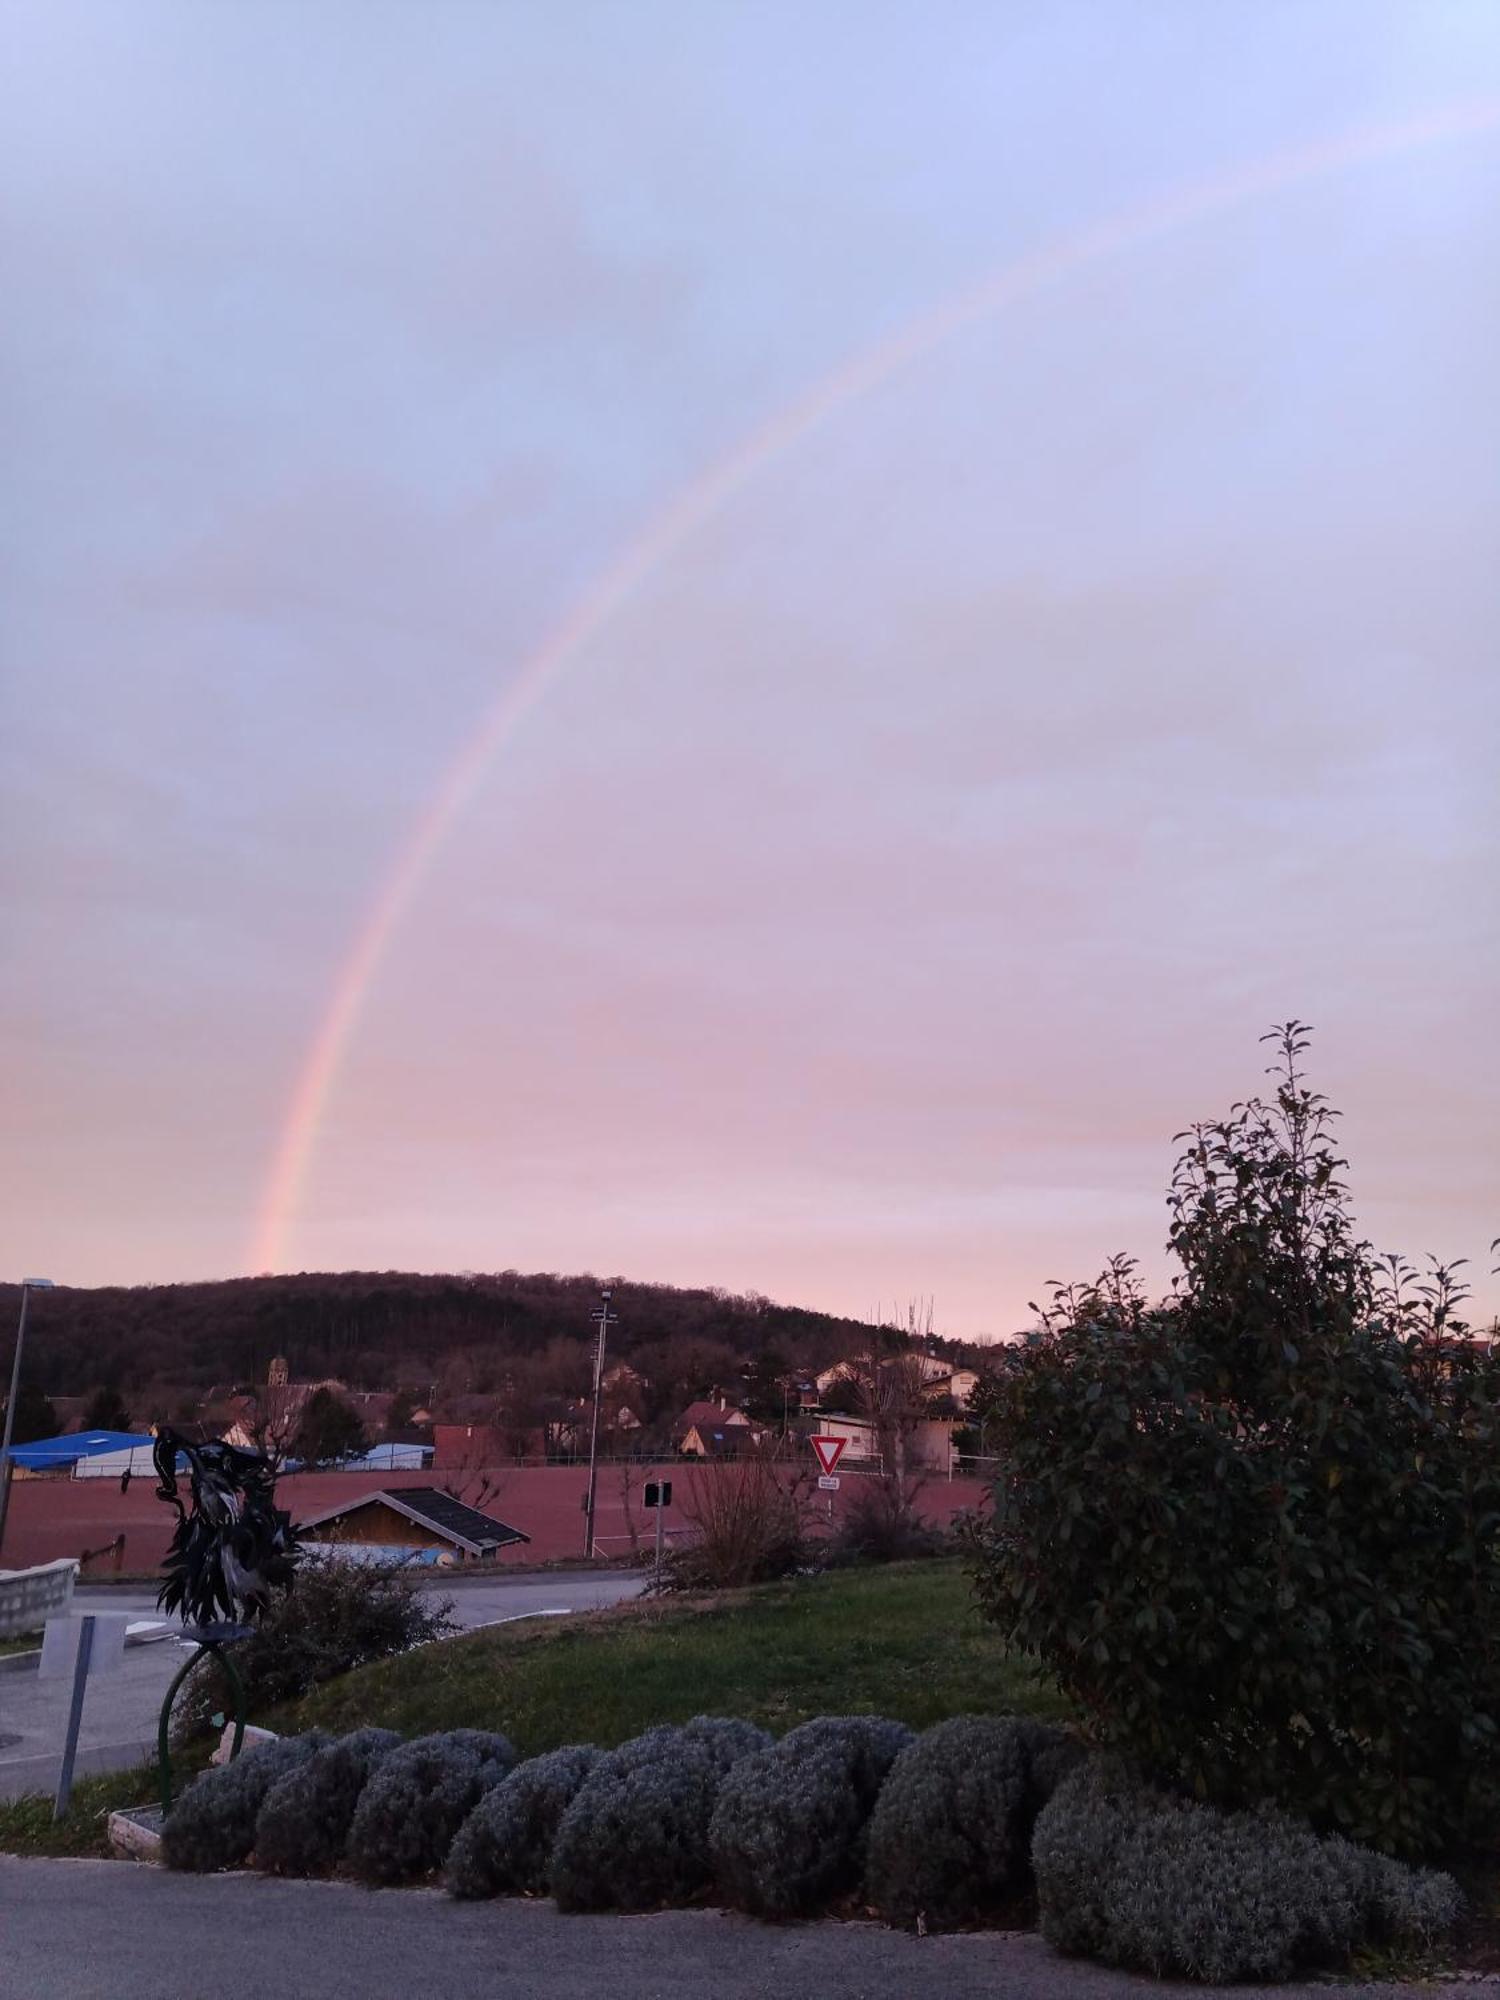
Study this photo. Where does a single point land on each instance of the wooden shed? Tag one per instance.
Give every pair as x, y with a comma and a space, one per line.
411, 1523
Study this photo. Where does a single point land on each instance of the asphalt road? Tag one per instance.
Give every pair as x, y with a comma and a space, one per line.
94, 1930
120, 1709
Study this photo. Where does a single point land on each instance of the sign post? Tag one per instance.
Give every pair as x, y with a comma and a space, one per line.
659, 1497
828, 1451
92, 1643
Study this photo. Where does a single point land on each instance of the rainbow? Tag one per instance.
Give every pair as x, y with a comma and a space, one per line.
667, 531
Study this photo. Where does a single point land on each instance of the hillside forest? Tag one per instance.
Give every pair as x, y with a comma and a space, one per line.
160, 1351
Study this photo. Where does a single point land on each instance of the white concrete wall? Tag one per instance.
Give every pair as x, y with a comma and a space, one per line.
29, 1597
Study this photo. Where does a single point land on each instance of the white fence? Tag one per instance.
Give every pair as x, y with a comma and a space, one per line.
136, 1460
29, 1597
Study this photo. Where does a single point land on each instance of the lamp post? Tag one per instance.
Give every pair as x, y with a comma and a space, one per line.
605, 1320
28, 1286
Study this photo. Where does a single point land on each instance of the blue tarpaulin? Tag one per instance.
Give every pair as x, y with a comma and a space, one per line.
47, 1454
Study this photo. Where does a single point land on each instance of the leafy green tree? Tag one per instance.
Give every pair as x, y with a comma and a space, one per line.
106, 1411
1255, 1530
329, 1430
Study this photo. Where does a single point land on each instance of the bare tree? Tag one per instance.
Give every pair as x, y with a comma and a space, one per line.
890, 1395
747, 1523
273, 1412
469, 1477
910, 1325
892, 1400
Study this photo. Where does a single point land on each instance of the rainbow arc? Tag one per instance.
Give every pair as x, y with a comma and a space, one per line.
667, 532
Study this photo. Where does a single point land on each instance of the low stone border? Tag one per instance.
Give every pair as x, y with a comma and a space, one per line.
135, 1833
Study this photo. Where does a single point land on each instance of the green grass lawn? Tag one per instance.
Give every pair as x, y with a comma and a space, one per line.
21, 1642
903, 1641
27, 1826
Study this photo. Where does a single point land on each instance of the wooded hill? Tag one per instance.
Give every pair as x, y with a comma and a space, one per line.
383, 1330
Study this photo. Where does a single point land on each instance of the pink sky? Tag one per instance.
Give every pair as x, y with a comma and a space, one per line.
931, 828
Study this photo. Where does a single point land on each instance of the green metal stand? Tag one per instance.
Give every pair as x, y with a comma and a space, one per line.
219, 1650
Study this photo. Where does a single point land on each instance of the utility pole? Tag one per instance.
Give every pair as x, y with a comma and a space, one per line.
28, 1286
604, 1319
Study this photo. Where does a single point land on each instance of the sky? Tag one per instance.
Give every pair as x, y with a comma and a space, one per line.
1086, 659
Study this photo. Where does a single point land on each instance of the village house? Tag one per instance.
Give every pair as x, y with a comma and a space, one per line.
712, 1430
956, 1384
929, 1443
410, 1524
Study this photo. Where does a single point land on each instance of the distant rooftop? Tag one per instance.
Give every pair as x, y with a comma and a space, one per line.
43, 1453
716, 1415
429, 1507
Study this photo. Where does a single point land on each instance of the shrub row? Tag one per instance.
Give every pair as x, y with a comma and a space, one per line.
933, 1827
938, 1831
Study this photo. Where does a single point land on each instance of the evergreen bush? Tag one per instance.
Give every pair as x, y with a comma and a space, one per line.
1153, 1883
504, 1847
867, 1744
418, 1797
1255, 1531
1054, 1754
212, 1825
303, 1827
950, 1835
724, 1738
788, 1832
1419, 1906
635, 1836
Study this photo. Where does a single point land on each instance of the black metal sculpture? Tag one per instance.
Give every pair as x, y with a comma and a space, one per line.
225, 1558
235, 1545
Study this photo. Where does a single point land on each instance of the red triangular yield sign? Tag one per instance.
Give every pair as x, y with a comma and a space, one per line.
829, 1450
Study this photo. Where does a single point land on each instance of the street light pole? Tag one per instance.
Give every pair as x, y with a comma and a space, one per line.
28, 1286
605, 1319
